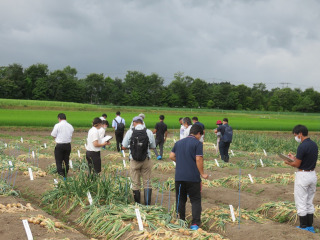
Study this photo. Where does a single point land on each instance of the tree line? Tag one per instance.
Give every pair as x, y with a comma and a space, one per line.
138, 89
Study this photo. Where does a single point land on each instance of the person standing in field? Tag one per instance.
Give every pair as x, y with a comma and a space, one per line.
181, 128
225, 140
161, 132
119, 125
140, 140
219, 123
187, 126
104, 118
188, 155
305, 183
94, 144
62, 132
196, 121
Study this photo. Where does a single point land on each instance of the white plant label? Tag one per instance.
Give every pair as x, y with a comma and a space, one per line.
174, 163
27, 229
250, 177
261, 162
265, 153
79, 153
45, 145
232, 153
30, 174
217, 162
123, 154
232, 213
174, 141
55, 181
89, 198
5, 145
10, 163
124, 163
33, 155
70, 164
139, 219
21, 140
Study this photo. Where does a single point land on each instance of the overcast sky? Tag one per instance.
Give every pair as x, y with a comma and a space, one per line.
243, 42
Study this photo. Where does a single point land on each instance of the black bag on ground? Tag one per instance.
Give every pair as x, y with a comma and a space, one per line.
120, 126
139, 144
227, 135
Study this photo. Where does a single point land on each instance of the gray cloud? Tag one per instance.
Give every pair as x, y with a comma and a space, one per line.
268, 41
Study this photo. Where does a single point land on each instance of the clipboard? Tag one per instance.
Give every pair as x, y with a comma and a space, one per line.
106, 138
286, 158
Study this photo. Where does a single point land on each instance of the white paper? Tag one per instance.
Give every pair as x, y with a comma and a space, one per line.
21, 140
27, 229
30, 174
265, 153
232, 153
217, 162
250, 177
70, 164
45, 145
106, 138
10, 163
139, 219
232, 213
79, 153
124, 163
33, 155
123, 153
261, 162
89, 198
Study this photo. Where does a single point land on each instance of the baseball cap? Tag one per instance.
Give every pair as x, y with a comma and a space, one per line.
137, 118
219, 122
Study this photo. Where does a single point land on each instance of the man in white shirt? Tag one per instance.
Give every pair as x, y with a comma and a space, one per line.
62, 132
119, 125
181, 128
187, 126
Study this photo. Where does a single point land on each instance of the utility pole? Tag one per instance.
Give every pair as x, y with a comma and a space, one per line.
285, 83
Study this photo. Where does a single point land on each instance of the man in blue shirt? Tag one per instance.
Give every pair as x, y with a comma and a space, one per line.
188, 155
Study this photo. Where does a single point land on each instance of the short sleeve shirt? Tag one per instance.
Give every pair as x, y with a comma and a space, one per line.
307, 152
161, 128
93, 135
186, 151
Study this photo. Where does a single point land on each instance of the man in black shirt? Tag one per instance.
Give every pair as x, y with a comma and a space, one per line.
161, 136
305, 182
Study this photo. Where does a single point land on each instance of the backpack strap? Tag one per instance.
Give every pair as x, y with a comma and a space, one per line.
115, 121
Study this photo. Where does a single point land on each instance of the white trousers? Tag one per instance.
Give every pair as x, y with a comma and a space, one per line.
304, 189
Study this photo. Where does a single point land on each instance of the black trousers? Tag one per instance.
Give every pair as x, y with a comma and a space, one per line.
223, 149
182, 191
159, 142
119, 139
62, 153
94, 161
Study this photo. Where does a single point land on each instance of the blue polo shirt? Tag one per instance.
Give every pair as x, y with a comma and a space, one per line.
307, 152
186, 151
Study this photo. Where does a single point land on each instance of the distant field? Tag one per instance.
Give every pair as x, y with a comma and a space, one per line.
44, 114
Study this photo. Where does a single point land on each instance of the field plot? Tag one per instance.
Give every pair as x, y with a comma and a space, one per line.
57, 209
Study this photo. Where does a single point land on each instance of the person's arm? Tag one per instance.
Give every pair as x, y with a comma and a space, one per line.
151, 140
296, 163
199, 162
126, 140
165, 135
54, 131
154, 131
172, 156
97, 144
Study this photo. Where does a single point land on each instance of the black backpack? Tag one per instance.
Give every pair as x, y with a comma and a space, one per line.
139, 144
120, 126
227, 135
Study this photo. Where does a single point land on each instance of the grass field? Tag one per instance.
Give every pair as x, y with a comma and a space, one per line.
44, 114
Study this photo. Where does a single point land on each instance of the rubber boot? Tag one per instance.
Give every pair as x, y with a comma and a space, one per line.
136, 196
310, 223
303, 222
226, 158
147, 196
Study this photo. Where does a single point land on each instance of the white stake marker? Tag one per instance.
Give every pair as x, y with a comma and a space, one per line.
33, 155
5, 145
174, 141
55, 181
27, 229
79, 153
21, 140
232, 213
123, 153
232, 153
89, 198
217, 162
124, 163
70, 164
10, 163
139, 219
30, 174
261, 162
45, 145
265, 153
174, 163
250, 177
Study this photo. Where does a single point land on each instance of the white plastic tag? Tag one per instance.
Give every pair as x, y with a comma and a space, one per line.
10, 163
265, 153
261, 162
30, 174
250, 177
174, 141
55, 181
124, 163
139, 219
5, 145
45, 145
232, 213
89, 198
232, 153
21, 140
217, 162
27, 229
174, 163
79, 153
33, 155
70, 164
123, 153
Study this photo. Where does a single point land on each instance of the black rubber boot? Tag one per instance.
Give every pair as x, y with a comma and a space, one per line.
147, 196
309, 220
226, 158
303, 221
136, 196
